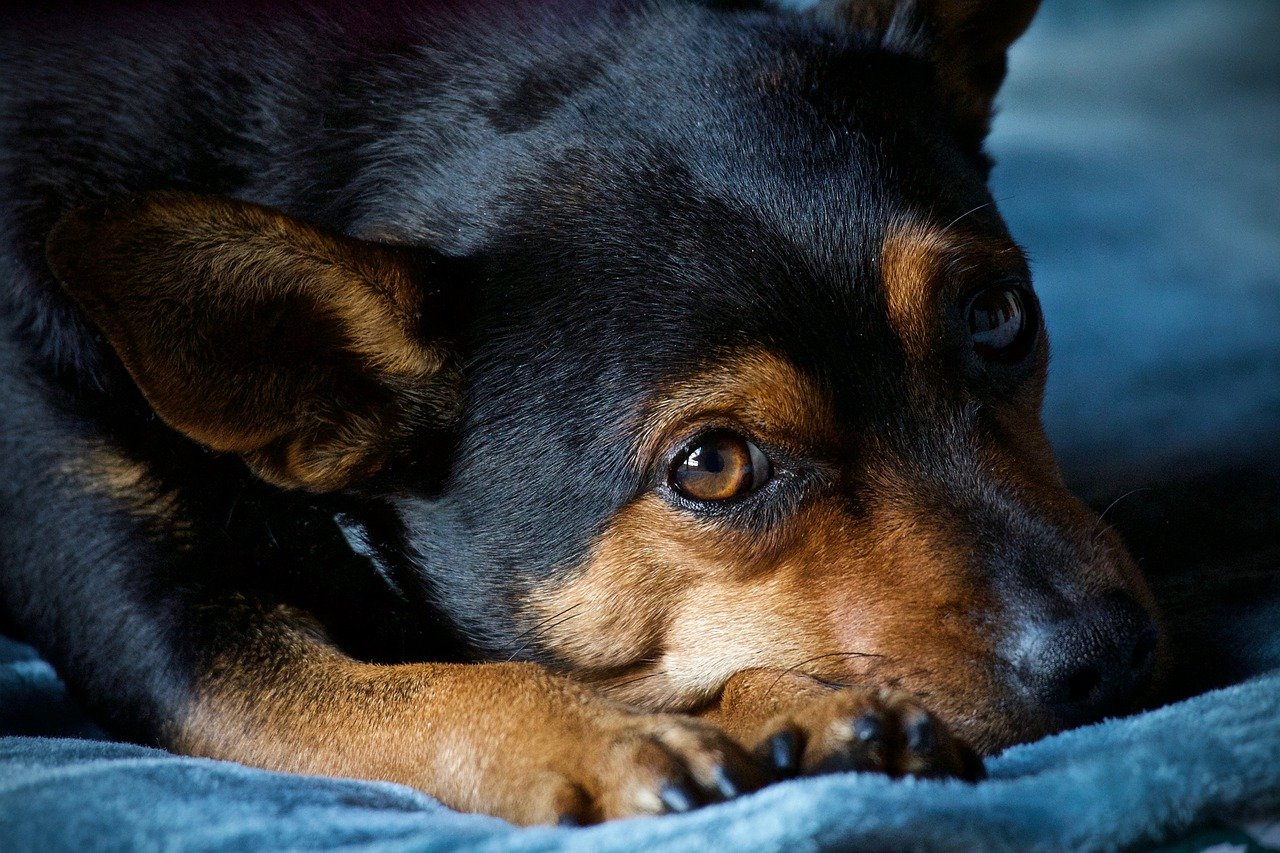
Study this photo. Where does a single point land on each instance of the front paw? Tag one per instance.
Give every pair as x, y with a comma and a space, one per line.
877, 731
637, 765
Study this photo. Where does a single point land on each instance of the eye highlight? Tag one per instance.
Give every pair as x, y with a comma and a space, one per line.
1001, 323
720, 466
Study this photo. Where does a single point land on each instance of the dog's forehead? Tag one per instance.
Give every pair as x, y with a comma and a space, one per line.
732, 209
673, 255
746, 186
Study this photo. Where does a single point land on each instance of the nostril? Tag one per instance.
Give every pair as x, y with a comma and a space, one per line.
1144, 651
1082, 686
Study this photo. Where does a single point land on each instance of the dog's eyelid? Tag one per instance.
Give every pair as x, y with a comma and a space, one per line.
965, 274
975, 286
779, 447
756, 393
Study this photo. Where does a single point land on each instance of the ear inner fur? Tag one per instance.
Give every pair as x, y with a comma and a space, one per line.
255, 333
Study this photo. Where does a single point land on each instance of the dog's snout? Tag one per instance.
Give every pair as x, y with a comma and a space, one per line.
1091, 664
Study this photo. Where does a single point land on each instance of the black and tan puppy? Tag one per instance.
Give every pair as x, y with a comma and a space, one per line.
573, 410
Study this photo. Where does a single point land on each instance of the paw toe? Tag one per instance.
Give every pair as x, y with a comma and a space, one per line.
854, 730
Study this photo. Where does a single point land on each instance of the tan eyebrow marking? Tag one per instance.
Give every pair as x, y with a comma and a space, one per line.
911, 258
759, 388
917, 261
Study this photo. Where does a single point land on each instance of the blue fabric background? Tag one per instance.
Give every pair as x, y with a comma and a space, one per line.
1139, 161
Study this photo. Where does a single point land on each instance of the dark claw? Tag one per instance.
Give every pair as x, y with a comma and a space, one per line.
868, 727
922, 735
725, 785
784, 752
675, 798
972, 767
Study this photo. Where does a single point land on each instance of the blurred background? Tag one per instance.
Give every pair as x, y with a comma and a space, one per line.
1138, 161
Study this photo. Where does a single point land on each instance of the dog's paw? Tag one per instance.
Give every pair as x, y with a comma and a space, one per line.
875, 731
633, 765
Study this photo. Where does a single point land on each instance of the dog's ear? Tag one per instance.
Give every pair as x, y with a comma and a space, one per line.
966, 40
316, 357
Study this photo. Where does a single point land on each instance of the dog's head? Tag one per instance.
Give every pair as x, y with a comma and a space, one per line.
741, 368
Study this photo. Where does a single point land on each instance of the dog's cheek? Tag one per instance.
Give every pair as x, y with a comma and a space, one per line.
669, 607
666, 607
613, 611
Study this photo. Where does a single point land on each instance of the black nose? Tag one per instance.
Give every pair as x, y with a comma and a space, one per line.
1094, 663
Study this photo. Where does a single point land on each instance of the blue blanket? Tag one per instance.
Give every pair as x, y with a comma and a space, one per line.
1139, 163
1147, 778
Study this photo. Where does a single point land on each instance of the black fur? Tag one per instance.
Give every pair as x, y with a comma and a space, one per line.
622, 190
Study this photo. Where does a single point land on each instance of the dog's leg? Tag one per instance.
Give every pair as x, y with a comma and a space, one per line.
503, 738
802, 726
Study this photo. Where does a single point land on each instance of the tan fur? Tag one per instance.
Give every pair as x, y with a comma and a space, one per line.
924, 265
911, 260
507, 739
758, 389
752, 700
106, 471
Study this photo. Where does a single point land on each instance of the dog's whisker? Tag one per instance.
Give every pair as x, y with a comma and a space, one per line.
967, 213
1102, 515
797, 668
271, 535
538, 629
621, 684
1101, 526
539, 634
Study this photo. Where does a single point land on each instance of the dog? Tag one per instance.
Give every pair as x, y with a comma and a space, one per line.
574, 410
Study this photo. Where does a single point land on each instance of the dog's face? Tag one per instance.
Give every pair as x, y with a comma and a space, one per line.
757, 385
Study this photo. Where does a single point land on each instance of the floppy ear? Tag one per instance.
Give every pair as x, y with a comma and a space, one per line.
967, 41
316, 357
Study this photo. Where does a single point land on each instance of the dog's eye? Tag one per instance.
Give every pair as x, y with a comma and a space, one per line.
720, 466
1000, 322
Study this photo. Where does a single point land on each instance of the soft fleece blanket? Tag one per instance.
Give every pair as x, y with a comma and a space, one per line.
1148, 778
1139, 155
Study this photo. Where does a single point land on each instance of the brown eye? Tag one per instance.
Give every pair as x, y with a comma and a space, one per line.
1000, 324
720, 466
